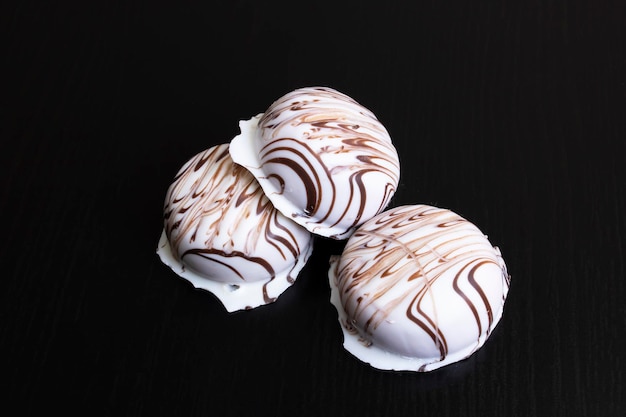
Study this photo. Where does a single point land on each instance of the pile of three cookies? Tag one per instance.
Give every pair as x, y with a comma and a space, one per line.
416, 287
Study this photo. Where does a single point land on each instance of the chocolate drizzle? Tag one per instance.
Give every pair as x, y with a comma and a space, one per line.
215, 255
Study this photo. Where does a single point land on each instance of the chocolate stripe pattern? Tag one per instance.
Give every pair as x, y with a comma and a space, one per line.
323, 160
419, 283
221, 228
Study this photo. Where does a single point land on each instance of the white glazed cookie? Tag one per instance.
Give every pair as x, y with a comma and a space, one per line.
323, 160
416, 288
222, 233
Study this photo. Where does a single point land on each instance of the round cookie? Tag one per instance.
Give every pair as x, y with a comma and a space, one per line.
222, 233
416, 288
323, 160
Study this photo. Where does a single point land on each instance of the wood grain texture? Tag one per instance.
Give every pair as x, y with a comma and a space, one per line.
513, 116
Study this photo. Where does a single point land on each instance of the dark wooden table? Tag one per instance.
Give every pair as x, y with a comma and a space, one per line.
512, 115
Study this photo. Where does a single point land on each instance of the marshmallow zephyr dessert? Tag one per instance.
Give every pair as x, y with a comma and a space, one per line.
222, 234
416, 288
323, 160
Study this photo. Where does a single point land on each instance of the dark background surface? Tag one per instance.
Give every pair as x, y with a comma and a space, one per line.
512, 115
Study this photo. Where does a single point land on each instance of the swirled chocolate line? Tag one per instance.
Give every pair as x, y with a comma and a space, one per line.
213, 255
308, 166
305, 164
326, 101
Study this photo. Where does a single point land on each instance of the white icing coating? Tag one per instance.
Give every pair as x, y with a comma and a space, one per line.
222, 234
416, 288
323, 160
